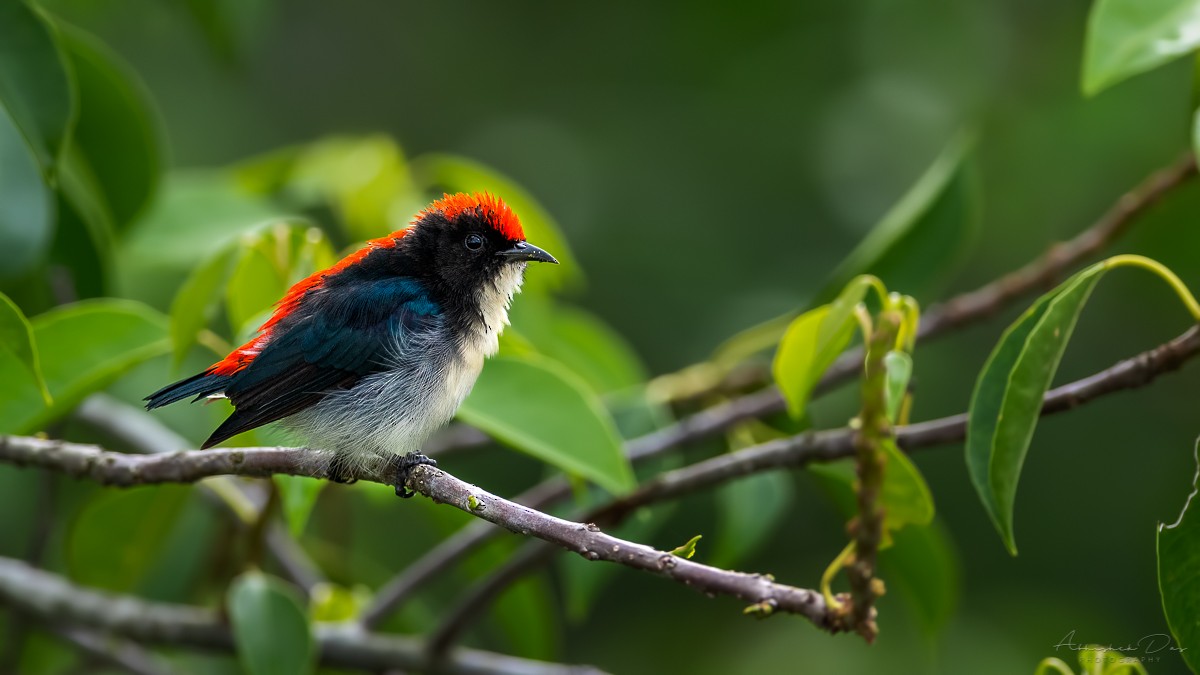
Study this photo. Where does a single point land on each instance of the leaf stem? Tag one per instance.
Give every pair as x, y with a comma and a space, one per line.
1181, 289
880, 290
830, 572
864, 321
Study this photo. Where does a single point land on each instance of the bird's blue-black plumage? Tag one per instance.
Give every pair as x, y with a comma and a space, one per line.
342, 332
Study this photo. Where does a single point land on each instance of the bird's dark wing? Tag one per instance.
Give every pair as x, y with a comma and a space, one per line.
337, 338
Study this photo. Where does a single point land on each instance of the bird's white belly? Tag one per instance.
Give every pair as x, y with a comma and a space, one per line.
389, 413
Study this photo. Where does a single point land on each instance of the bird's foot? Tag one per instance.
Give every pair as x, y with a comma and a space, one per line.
339, 469
403, 466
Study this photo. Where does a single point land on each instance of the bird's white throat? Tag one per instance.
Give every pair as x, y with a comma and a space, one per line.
494, 300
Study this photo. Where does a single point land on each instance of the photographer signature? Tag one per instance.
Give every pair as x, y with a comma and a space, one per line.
1148, 644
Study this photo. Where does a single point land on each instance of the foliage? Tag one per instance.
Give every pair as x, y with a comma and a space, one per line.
118, 272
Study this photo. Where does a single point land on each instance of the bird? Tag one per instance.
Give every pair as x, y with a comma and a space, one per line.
369, 357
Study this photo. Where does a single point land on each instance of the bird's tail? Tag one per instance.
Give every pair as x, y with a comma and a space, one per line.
201, 385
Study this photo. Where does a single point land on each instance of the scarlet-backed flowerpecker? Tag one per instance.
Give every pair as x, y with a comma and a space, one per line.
369, 357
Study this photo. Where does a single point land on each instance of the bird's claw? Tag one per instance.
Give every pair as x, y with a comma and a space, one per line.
404, 464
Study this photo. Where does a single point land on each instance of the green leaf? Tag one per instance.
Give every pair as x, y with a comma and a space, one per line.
936, 220
813, 341
270, 628
191, 308
458, 174
119, 335
117, 133
748, 511
256, 284
688, 549
1128, 37
899, 367
16, 337
1178, 547
119, 535
796, 360
578, 340
540, 408
298, 496
1007, 400
35, 88
905, 496
26, 203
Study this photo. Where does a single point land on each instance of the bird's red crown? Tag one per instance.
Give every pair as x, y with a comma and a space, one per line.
492, 208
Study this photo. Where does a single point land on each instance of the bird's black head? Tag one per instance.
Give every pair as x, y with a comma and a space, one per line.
471, 245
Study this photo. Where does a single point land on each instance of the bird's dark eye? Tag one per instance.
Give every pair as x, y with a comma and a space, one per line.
474, 242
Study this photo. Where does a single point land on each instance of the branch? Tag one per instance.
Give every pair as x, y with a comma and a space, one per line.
592, 544
50, 597
818, 446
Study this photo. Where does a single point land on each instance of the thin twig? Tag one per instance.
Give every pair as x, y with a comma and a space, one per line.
50, 597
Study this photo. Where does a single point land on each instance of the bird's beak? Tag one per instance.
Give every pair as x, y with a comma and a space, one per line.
524, 251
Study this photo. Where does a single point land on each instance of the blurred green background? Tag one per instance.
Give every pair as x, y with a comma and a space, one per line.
709, 164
